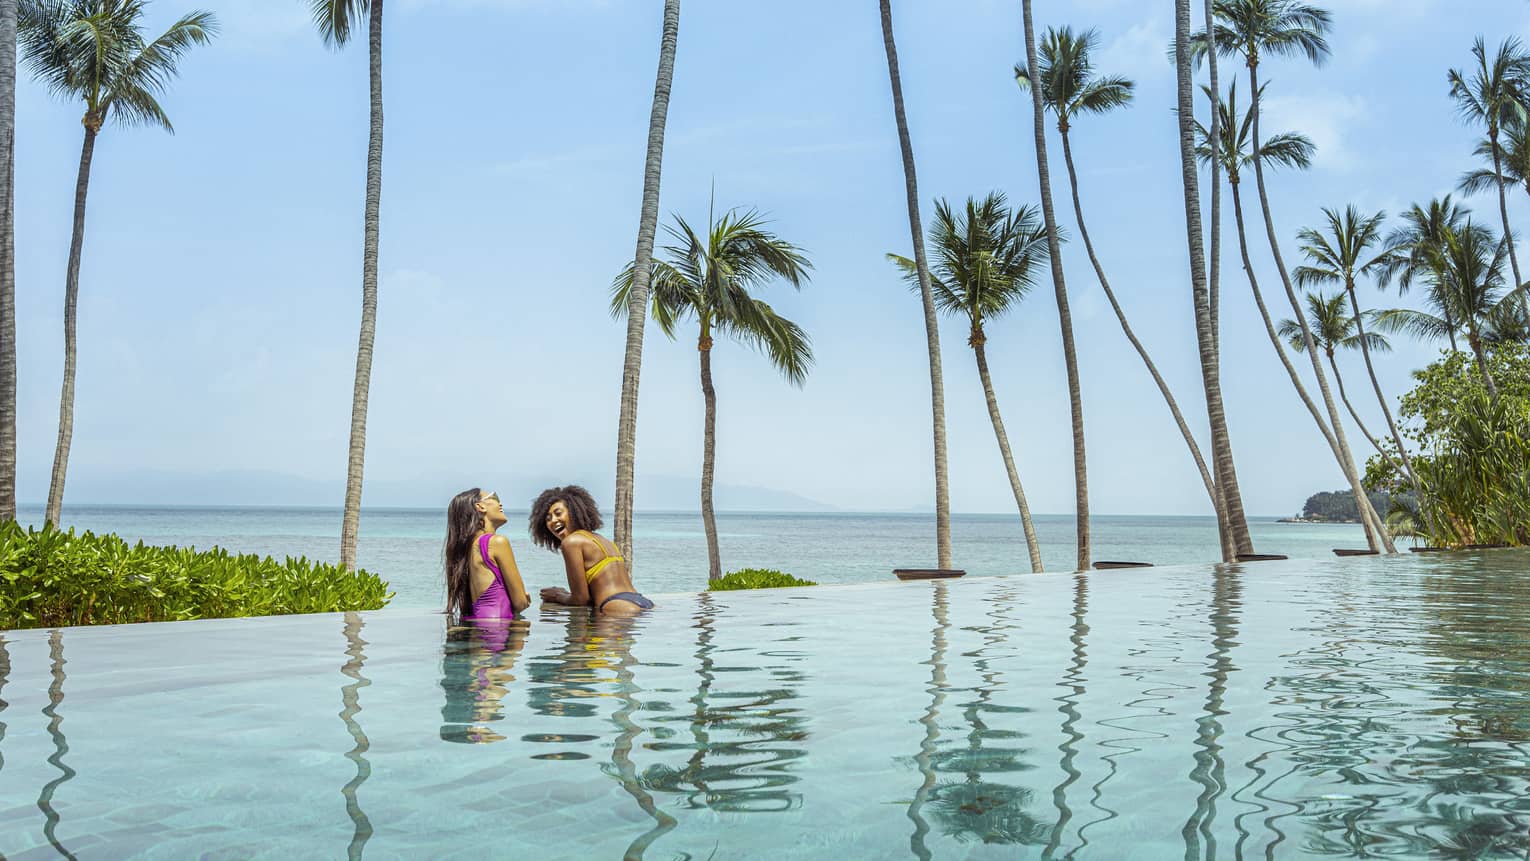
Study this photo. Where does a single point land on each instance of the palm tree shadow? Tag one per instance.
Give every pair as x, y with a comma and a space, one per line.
350, 698
60, 743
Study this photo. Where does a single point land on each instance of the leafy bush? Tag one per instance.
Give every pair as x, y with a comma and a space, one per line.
756, 578
1473, 459
49, 577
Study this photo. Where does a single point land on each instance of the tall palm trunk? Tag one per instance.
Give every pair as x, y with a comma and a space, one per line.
1221, 440
1503, 203
1372, 538
1214, 288
1199, 290
1365, 350
708, 454
7, 259
1346, 459
71, 302
926, 296
1031, 544
1163, 387
637, 300
1064, 317
351, 520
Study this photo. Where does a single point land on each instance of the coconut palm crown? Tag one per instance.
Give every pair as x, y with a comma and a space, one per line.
1068, 83
711, 277
95, 51
1256, 28
985, 260
1333, 328
1235, 150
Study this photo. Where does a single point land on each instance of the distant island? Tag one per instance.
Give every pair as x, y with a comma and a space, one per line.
1338, 506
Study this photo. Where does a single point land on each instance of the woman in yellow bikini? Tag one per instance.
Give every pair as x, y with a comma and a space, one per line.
562, 520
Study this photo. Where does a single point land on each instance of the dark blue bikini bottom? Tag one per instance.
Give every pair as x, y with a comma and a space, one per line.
630, 598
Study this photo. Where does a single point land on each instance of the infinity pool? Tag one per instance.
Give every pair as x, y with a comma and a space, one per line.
1274, 710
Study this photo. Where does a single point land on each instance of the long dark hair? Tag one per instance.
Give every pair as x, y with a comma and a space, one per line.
582, 513
463, 523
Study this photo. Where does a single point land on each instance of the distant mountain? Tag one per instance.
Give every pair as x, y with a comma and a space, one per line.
257, 487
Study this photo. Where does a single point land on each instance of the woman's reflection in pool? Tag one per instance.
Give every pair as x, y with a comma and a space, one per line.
477, 665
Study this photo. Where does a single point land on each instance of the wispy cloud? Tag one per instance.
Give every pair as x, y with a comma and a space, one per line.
1328, 119
1139, 52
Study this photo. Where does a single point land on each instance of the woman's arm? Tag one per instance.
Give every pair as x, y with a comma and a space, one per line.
504, 557
578, 592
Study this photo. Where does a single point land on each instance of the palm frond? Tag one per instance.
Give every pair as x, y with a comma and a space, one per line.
151, 70
1419, 324
787, 346
335, 19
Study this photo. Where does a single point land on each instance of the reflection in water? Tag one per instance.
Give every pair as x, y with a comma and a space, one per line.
477, 663
5, 674
743, 743
1073, 681
617, 632
596, 663
60, 744
1210, 768
931, 721
979, 809
350, 698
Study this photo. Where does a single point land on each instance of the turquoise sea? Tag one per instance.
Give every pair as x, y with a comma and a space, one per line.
404, 545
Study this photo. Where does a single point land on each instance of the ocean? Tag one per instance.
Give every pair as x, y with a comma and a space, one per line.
404, 545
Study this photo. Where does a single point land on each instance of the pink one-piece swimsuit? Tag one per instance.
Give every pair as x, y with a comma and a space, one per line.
494, 603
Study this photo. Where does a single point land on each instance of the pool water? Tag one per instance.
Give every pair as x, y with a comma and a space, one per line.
1368, 706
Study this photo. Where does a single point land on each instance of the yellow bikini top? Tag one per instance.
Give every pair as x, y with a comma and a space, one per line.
594, 570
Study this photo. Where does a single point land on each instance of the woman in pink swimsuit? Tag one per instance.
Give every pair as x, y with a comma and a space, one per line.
482, 581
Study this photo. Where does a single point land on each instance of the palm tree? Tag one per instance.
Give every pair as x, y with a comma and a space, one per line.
1234, 531
1199, 287
1060, 289
637, 310
1416, 253
1333, 329
1492, 98
1471, 265
94, 51
1252, 28
1069, 88
1340, 257
7, 260
926, 297
1235, 152
711, 279
334, 19
985, 263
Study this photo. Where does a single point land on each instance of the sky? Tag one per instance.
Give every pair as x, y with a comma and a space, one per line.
220, 290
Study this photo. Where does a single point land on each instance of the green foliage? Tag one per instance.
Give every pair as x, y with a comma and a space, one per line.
756, 578
1473, 458
49, 578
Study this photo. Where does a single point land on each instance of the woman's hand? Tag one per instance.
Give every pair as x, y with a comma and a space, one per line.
556, 595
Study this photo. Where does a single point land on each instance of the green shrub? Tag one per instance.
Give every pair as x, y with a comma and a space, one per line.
49, 578
756, 578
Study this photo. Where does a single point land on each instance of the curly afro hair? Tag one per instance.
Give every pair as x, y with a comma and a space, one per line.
582, 513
